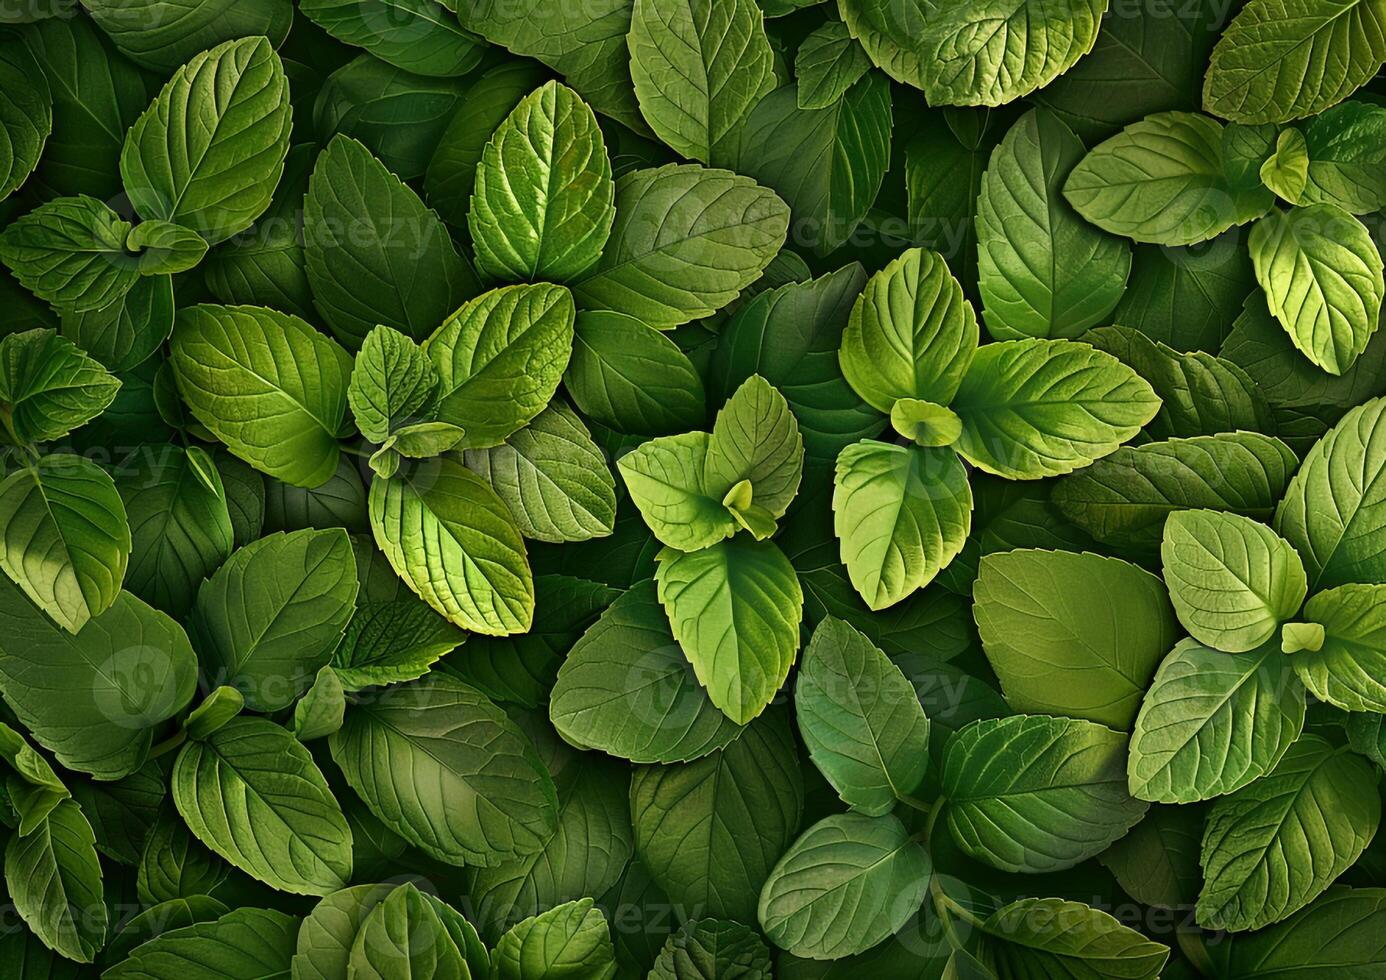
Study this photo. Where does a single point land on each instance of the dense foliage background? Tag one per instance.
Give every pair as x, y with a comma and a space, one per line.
692, 489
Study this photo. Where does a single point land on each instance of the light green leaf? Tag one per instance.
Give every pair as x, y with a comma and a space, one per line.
1344, 149
912, 333
570, 942
1043, 271
388, 642
499, 359
452, 540
631, 378
1072, 634
1035, 408
374, 254
828, 63
543, 203
901, 514
847, 883
1050, 937
267, 384
393, 384
129, 669
1285, 59
1348, 668
627, 689
49, 387
327, 934
828, 164
180, 524
404, 937
65, 538
443, 767
552, 477
420, 36
755, 438
210, 149
687, 240
1233, 581
1164, 180
252, 793
54, 880
71, 253
1286, 171
165, 248
994, 52
1322, 276
1273, 847
1032, 793
667, 481
860, 719
1213, 722
35, 789
244, 944
1124, 499
698, 68
1344, 541
709, 831
735, 608
271, 616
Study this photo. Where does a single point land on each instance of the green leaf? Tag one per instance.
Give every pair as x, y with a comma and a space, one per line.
126, 671
543, 203
1186, 296
252, 793
328, 933
1200, 394
755, 438
1344, 148
667, 480
267, 384
164, 248
1328, 512
698, 68
393, 384
403, 937
709, 831
709, 949
244, 944
1273, 847
1032, 793
374, 254
1043, 270
901, 514
631, 378
126, 333
1286, 171
419, 36
1072, 634
1348, 668
627, 689
1157, 862
994, 53
1212, 722
36, 789
1285, 59
1125, 499
735, 608
54, 880
912, 333
26, 116
71, 253
686, 241
552, 477
1322, 276
1035, 408
828, 164
1164, 180
1232, 580
443, 767
210, 149
1050, 937
66, 539
790, 336
218, 708
1342, 927
180, 525
860, 719
49, 387
847, 883
452, 540
570, 942
499, 359
829, 61
271, 616
390, 642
